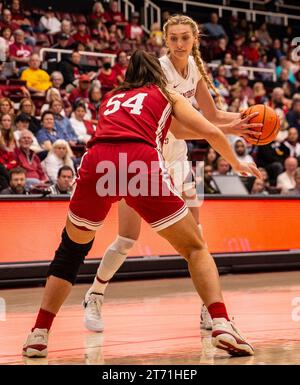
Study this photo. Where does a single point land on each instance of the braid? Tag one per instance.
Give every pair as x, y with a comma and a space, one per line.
186, 20
201, 68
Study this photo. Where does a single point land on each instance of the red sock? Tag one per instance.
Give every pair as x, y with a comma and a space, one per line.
218, 310
44, 320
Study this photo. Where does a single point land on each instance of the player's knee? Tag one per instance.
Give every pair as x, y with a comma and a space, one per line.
192, 248
68, 258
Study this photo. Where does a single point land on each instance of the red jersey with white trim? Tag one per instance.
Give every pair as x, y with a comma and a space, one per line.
141, 114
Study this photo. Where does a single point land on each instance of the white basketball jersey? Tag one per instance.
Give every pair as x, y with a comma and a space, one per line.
176, 149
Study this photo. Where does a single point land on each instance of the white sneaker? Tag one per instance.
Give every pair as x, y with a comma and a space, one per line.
226, 336
36, 344
92, 312
206, 322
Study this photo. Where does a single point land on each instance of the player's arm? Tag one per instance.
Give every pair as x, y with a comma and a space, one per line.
196, 126
228, 122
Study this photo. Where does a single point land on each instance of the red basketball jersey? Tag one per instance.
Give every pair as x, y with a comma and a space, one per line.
140, 114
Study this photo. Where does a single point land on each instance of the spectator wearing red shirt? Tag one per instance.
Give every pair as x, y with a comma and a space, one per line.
7, 21
18, 14
19, 51
121, 66
97, 14
82, 92
28, 160
95, 97
7, 158
82, 36
251, 52
133, 30
107, 77
113, 15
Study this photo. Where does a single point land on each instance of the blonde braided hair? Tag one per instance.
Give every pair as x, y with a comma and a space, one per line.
186, 20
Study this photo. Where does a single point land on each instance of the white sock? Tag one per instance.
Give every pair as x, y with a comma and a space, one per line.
112, 260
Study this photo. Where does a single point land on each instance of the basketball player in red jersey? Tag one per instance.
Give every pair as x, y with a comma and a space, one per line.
186, 74
135, 119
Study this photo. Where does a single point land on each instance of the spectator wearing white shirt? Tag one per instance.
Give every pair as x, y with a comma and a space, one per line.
50, 23
286, 180
241, 151
59, 156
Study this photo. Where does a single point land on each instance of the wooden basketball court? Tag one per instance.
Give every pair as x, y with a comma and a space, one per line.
157, 322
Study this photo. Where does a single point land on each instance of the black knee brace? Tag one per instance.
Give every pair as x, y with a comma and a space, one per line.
68, 258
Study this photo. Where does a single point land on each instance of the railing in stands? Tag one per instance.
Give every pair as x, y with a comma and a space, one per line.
126, 7
250, 14
152, 14
250, 70
59, 52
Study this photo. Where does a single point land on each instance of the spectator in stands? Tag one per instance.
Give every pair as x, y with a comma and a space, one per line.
251, 52
28, 159
22, 122
234, 76
97, 14
27, 107
286, 180
133, 30
71, 69
84, 129
292, 142
211, 157
221, 76
7, 21
7, 158
82, 91
107, 76
239, 146
62, 123
259, 93
47, 135
263, 36
296, 190
278, 100
209, 185
237, 46
156, 37
52, 94
213, 28
17, 182
223, 167
4, 178
49, 23
18, 14
246, 92
59, 156
8, 37
285, 64
6, 107
113, 15
19, 51
7, 131
37, 80
82, 36
266, 63
64, 182
57, 80
95, 97
283, 132
276, 51
64, 41
219, 49
272, 157
258, 187
121, 66
293, 116
100, 36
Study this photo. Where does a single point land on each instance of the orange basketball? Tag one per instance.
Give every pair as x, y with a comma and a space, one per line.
271, 124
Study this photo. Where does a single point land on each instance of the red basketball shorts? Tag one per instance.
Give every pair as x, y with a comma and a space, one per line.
134, 171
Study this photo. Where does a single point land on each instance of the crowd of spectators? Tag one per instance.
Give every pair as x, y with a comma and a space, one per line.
49, 110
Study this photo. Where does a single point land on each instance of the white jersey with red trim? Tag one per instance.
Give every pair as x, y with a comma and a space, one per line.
175, 149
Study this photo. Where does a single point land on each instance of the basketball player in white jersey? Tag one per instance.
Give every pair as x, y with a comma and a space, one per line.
186, 74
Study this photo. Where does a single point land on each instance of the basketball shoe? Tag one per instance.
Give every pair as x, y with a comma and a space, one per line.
206, 322
36, 344
226, 336
92, 312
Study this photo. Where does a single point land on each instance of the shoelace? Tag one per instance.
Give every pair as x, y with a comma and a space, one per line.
94, 306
